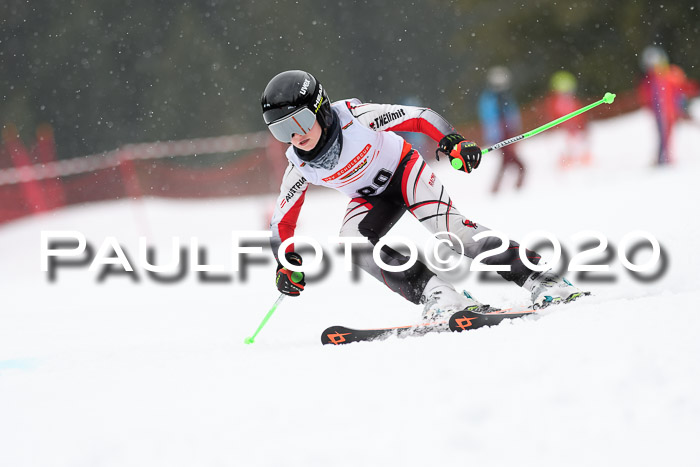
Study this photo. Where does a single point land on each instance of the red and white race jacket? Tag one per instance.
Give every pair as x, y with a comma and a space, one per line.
369, 155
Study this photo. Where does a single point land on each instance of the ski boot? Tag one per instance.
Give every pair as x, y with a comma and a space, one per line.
547, 288
444, 301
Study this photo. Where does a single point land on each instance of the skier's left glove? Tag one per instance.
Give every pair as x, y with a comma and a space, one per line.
290, 282
464, 155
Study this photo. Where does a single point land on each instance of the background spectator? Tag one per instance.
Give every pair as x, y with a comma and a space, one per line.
500, 119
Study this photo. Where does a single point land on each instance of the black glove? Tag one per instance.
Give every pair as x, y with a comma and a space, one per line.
286, 282
464, 155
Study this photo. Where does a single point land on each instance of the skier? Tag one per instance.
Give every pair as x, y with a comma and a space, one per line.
500, 119
352, 147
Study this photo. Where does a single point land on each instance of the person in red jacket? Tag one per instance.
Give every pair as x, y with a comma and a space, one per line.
665, 90
562, 100
351, 147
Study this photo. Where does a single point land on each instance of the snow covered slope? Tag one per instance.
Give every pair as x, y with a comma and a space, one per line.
125, 373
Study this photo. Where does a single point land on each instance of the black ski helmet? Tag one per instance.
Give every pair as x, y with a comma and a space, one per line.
291, 90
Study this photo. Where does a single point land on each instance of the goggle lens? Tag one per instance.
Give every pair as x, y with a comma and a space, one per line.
299, 122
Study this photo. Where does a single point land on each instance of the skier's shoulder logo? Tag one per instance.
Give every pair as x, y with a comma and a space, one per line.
387, 118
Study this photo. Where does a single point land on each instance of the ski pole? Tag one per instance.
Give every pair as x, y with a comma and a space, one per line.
296, 277
607, 99
251, 339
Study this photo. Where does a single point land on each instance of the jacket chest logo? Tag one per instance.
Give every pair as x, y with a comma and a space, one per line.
350, 165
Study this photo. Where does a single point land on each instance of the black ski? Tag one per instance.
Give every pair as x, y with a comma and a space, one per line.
467, 320
341, 335
458, 322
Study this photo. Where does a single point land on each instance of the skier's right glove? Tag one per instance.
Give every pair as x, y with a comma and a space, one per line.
290, 282
464, 155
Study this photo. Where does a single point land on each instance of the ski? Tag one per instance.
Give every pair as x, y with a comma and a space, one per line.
458, 322
338, 335
464, 320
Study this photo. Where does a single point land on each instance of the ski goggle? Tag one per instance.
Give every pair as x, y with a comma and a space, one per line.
299, 122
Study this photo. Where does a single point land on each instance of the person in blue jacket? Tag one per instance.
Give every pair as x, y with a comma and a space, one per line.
500, 119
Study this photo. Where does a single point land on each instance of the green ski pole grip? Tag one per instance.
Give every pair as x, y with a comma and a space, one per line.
297, 277
609, 98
